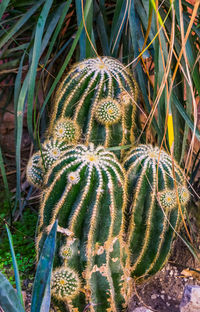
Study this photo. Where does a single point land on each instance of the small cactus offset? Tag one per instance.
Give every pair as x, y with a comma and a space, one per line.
35, 170
99, 96
157, 193
41, 161
85, 191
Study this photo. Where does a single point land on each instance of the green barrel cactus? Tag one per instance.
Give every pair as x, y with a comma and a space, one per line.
35, 170
157, 194
99, 96
85, 191
41, 161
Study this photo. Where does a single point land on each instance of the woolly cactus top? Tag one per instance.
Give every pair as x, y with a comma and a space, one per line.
148, 156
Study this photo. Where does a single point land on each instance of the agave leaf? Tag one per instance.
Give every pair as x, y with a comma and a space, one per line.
9, 300
41, 285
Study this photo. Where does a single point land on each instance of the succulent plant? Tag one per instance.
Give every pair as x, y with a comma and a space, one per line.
99, 96
35, 170
85, 191
157, 194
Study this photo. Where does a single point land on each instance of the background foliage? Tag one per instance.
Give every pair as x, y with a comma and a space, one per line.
157, 40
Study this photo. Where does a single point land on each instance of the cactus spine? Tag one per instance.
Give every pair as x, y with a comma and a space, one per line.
152, 214
85, 191
99, 95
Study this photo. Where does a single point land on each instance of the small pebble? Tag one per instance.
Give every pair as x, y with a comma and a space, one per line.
154, 296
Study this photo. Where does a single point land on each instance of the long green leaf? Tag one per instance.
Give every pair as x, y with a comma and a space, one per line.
69, 55
19, 125
22, 21
3, 6
82, 39
35, 60
15, 266
9, 300
101, 29
4, 177
43, 273
64, 7
185, 116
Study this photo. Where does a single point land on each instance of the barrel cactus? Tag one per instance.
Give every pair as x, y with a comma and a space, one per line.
85, 191
35, 170
157, 194
99, 96
38, 165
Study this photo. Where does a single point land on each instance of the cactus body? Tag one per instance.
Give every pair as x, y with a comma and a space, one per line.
85, 192
152, 214
99, 96
35, 170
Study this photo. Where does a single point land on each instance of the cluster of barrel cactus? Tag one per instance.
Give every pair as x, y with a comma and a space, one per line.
117, 213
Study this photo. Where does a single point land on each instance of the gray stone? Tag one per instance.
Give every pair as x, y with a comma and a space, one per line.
141, 309
191, 299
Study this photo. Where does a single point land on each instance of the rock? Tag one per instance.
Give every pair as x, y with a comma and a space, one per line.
191, 299
141, 309
153, 297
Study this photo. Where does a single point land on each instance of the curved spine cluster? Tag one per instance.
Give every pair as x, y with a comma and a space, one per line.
89, 84
153, 214
85, 191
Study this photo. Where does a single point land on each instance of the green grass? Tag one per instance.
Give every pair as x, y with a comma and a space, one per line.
23, 233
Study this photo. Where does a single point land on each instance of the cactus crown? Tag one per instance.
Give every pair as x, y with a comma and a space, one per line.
99, 96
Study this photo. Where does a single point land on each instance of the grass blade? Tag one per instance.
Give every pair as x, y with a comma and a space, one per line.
15, 266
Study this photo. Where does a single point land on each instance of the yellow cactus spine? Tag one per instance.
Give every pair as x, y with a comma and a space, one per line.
152, 215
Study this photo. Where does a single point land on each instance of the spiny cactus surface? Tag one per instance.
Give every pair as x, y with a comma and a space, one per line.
85, 192
99, 96
157, 193
35, 171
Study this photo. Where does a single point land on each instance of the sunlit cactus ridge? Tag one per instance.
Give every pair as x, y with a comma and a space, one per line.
85, 191
82, 97
153, 213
